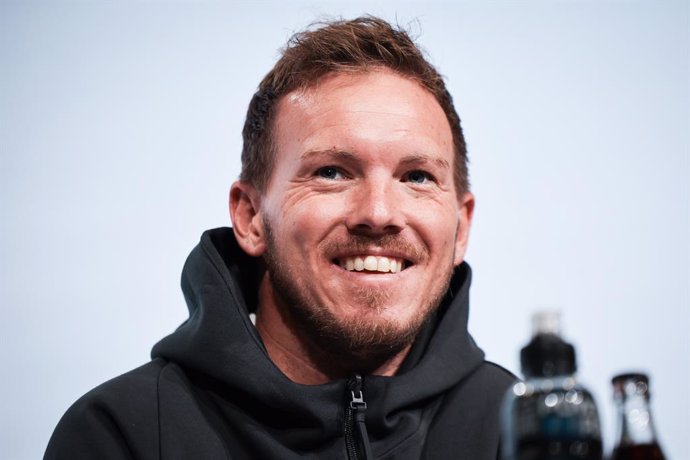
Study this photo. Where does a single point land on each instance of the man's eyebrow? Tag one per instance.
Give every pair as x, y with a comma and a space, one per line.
421, 159
343, 155
334, 154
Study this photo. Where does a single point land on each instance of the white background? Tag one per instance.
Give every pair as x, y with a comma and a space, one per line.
120, 136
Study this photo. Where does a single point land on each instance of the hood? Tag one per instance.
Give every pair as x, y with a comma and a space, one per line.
218, 343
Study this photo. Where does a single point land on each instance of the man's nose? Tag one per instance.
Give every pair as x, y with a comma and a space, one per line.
376, 208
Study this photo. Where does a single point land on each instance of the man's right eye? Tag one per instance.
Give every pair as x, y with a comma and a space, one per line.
329, 172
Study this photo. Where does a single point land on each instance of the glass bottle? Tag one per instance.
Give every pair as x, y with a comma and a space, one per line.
636, 438
549, 416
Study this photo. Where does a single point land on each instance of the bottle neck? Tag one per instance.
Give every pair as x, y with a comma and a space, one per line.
634, 421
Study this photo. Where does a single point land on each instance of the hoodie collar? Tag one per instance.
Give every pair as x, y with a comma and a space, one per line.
219, 341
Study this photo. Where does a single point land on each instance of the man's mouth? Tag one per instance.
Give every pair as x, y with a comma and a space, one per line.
380, 264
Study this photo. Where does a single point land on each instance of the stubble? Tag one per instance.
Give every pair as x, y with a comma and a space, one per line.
362, 342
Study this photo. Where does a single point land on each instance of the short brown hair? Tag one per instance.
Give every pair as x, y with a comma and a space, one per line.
360, 44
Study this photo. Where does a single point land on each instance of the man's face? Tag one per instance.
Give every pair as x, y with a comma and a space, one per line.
361, 219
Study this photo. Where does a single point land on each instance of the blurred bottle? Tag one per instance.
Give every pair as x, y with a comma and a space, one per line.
549, 416
635, 439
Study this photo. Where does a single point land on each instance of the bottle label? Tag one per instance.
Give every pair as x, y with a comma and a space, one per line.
557, 425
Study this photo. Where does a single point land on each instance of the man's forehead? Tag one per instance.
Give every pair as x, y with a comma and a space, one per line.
377, 92
333, 81
347, 114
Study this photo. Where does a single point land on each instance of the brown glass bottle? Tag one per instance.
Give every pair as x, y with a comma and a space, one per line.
636, 439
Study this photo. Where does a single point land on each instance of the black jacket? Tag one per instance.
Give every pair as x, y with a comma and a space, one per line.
211, 391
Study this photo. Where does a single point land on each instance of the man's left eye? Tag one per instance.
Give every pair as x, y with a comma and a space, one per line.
329, 172
417, 177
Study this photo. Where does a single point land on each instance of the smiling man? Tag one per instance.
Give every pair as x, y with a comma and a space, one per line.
350, 224
360, 224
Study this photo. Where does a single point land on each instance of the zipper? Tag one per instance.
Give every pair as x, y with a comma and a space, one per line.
356, 436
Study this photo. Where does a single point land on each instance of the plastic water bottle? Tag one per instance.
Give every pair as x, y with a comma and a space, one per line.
549, 416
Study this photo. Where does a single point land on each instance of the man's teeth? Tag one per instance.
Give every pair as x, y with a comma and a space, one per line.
372, 264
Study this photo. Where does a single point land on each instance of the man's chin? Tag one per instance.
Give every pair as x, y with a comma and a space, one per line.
365, 341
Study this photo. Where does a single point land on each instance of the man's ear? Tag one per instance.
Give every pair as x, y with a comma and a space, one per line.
245, 213
465, 213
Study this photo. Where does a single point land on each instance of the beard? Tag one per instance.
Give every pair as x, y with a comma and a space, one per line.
361, 342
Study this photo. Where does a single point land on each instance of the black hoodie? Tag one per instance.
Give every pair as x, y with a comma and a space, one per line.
212, 392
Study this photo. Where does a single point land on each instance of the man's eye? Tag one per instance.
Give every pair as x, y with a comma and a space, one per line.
329, 172
417, 177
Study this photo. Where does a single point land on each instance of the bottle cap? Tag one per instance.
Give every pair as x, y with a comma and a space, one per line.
630, 384
547, 354
546, 322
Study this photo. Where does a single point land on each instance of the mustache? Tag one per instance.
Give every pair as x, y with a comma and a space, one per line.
363, 243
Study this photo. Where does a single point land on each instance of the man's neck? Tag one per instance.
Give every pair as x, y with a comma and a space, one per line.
299, 358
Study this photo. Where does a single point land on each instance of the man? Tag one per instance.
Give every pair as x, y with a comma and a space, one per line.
350, 224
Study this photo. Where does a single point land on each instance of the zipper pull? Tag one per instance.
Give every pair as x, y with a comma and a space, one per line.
357, 414
357, 402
